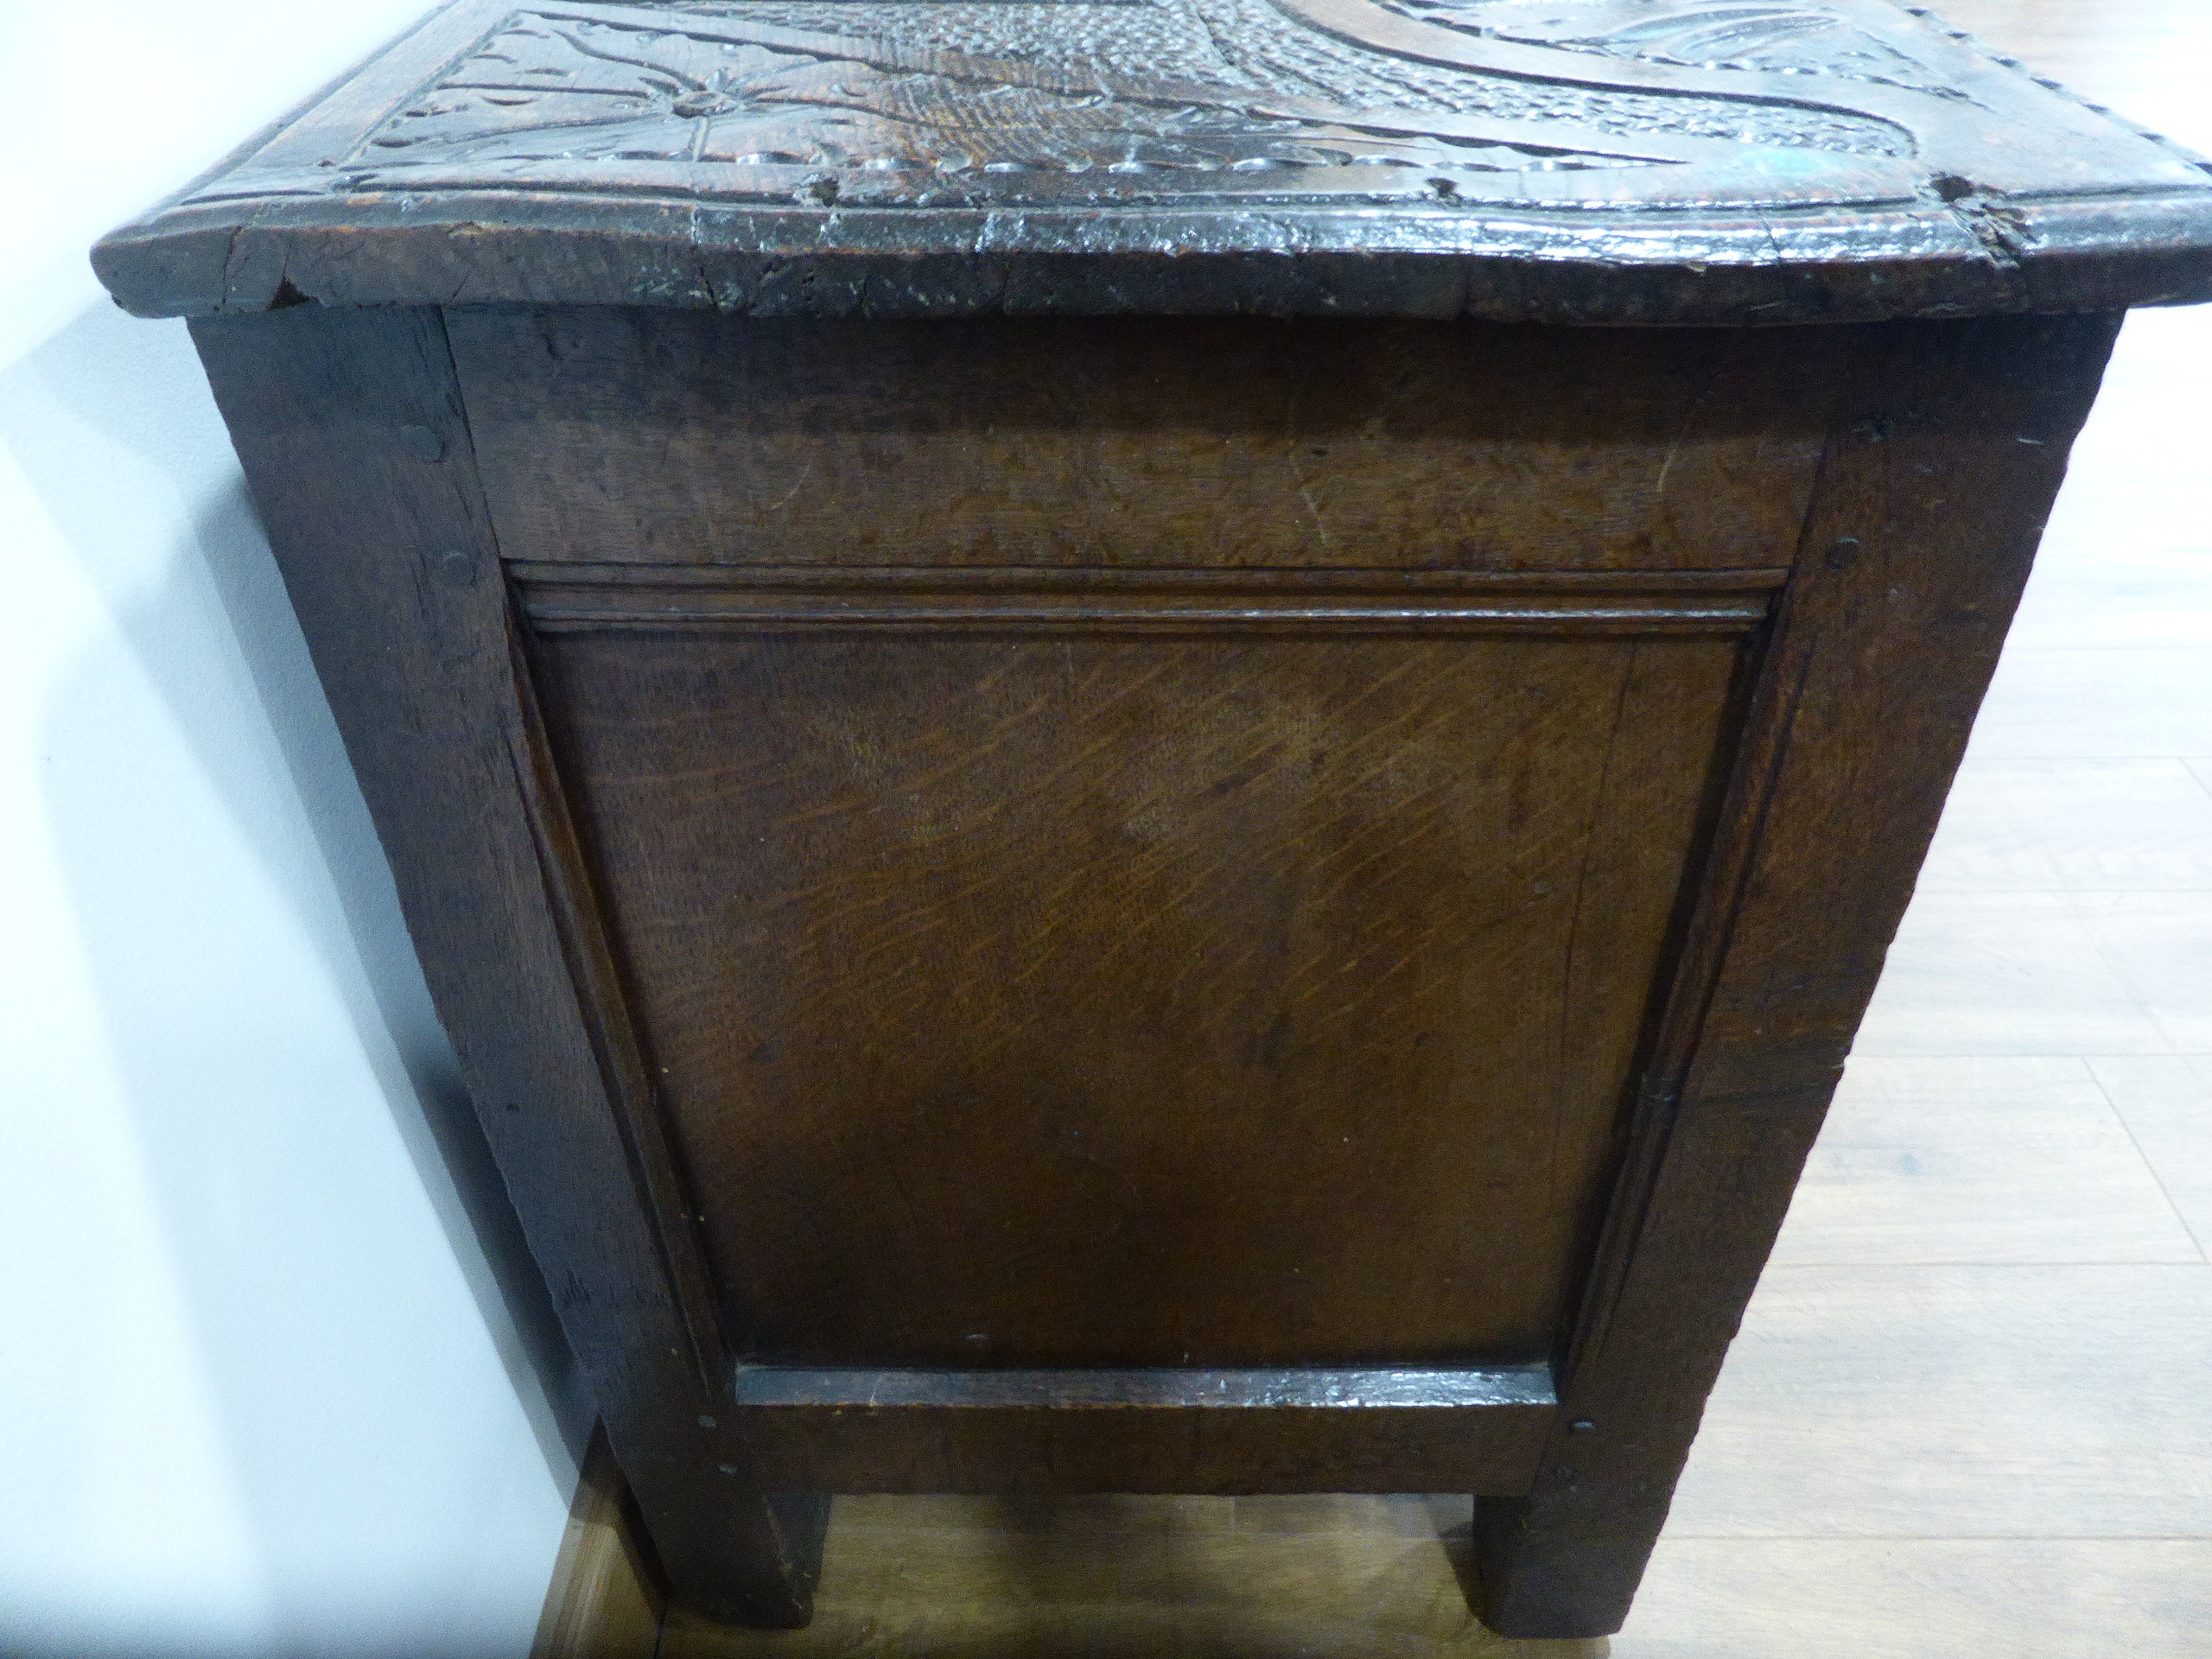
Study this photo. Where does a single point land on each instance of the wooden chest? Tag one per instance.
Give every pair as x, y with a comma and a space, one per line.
1162, 746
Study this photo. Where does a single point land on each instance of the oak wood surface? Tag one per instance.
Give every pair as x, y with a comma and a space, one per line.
1575, 161
613, 435
1887, 639
1059, 969
992, 1029
606, 1601
2007, 1365
1096, 1430
1321, 1577
391, 565
1116, 844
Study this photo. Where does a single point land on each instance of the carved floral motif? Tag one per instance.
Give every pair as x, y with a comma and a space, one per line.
927, 90
550, 87
1762, 36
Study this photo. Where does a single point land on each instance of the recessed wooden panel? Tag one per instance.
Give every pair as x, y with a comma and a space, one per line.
1097, 997
634, 436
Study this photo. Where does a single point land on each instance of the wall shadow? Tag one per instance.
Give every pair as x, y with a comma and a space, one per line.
204, 626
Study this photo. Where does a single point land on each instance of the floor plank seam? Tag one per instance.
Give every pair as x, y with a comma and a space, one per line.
2150, 1164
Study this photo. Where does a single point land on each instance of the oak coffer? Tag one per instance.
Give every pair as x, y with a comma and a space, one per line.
1160, 746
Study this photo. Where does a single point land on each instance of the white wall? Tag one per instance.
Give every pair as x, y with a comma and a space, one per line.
275, 1377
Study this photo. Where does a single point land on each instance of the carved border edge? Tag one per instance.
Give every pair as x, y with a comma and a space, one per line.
1615, 267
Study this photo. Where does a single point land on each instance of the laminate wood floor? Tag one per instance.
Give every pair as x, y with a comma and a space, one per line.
1970, 1413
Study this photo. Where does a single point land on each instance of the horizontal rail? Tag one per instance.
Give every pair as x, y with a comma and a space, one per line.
567, 599
1278, 1390
1479, 1431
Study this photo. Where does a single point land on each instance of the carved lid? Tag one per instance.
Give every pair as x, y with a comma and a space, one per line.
1582, 160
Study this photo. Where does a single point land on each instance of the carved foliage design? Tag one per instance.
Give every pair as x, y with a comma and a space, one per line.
921, 92
1762, 36
550, 88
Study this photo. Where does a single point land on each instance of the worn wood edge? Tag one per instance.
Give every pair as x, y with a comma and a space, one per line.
1713, 1153
1147, 1431
1589, 265
414, 643
1752, 775
1047, 1450
192, 257
597, 981
796, 1521
694, 574
1279, 1389
590, 598
605, 1599
262, 228
1720, 1164
1942, 22
2030, 382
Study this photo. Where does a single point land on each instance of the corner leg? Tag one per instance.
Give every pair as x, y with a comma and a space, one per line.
730, 1552
1669, 1292
1545, 1577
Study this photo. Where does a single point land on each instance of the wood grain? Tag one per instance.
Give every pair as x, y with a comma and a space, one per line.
1026, 600
1903, 1399
1028, 967
390, 560
1133, 1578
613, 435
1579, 161
1922, 1598
1097, 1430
1886, 642
992, 1028
1980, 1159
1962, 1402
606, 1599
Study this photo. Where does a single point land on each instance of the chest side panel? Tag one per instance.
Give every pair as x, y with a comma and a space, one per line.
627, 436
1089, 993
